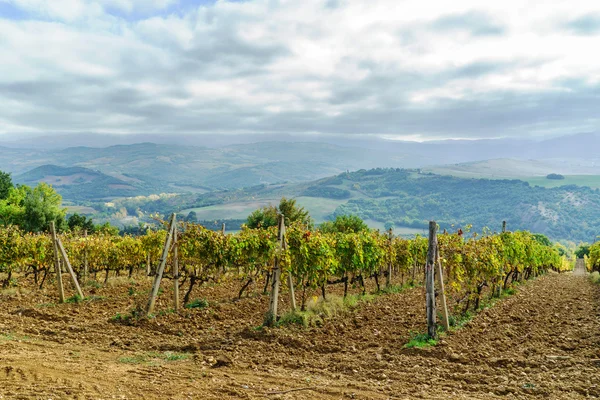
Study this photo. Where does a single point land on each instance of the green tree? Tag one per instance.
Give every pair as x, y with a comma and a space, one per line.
583, 250
12, 208
106, 229
5, 184
191, 217
266, 217
80, 221
344, 224
42, 205
542, 239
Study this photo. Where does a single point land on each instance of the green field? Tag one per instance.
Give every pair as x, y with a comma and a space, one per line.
319, 208
80, 210
398, 230
592, 181
531, 171
237, 210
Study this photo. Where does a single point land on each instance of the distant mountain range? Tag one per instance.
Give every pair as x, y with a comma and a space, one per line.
176, 166
408, 199
228, 181
77, 183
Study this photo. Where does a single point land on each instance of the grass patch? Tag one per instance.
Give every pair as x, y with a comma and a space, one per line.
74, 299
595, 277
154, 357
93, 284
458, 321
319, 309
12, 337
395, 289
166, 312
130, 317
197, 303
133, 360
420, 341
176, 356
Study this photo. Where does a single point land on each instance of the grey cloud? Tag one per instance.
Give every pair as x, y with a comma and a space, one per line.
585, 25
75, 105
78, 103
477, 23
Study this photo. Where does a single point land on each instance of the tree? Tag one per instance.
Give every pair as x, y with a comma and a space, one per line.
42, 205
5, 184
583, 250
542, 239
80, 221
191, 217
12, 208
106, 229
344, 224
266, 217
555, 176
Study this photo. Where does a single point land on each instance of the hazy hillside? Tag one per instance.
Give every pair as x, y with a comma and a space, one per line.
409, 198
576, 172
581, 146
176, 168
172, 167
78, 184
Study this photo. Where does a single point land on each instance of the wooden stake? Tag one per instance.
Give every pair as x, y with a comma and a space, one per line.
61, 290
271, 316
445, 319
388, 278
175, 271
148, 264
503, 226
223, 228
85, 258
69, 268
430, 281
283, 243
161, 268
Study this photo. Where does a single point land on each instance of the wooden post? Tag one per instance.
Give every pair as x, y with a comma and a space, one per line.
223, 228
283, 243
430, 280
161, 268
85, 258
388, 278
61, 290
445, 319
175, 270
69, 268
148, 264
271, 316
503, 226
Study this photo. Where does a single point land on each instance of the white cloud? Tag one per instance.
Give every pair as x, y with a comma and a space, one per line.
363, 66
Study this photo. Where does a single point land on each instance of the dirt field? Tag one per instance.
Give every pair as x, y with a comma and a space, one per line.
543, 342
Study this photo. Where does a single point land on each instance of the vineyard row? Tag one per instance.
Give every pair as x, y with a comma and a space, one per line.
312, 259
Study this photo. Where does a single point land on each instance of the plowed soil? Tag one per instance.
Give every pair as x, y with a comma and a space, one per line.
542, 342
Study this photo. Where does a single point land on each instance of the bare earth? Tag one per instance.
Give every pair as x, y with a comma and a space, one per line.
543, 342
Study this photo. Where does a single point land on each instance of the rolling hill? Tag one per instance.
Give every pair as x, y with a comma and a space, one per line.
174, 167
410, 198
77, 183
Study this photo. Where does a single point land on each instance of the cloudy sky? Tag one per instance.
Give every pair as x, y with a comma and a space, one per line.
417, 69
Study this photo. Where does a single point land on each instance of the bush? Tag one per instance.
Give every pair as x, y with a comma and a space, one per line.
197, 303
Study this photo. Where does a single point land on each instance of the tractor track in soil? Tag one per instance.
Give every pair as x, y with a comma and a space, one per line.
543, 342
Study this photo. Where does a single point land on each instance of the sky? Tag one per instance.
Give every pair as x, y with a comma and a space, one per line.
405, 69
